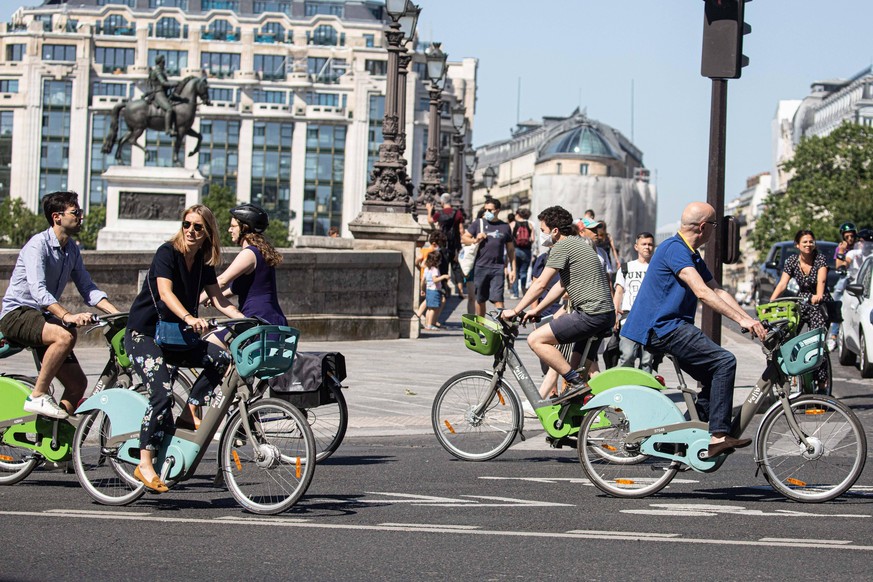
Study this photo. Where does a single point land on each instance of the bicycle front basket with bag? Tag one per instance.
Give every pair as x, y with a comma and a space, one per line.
264, 351
481, 335
802, 354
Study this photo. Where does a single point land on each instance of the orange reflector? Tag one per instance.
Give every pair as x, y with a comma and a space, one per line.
236, 460
609, 447
6, 458
813, 411
625, 481
449, 426
500, 396
795, 482
297, 467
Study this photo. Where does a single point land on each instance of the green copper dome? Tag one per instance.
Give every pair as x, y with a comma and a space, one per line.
584, 140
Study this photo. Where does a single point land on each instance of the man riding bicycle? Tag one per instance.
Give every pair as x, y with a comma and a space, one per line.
663, 320
31, 314
583, 278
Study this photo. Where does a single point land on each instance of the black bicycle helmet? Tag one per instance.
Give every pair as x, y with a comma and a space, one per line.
252, 216
865, 234
848, 227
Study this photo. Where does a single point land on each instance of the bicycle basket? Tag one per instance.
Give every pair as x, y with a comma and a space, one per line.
481, 335
117, 343
780, 310
803, 354
264, 351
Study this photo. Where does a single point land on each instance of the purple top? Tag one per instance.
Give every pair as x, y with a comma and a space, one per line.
257, 292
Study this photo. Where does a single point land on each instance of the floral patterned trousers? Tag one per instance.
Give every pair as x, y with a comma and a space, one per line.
150, 364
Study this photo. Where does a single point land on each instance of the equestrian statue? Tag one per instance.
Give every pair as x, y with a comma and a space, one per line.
173, 114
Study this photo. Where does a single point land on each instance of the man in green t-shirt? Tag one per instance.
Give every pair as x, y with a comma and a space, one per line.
584, 280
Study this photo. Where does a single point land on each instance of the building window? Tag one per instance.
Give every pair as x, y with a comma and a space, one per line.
57, 97
374, 133
283, 6
275, 97
59, 52
322, 99
220, 64
100, 162
376, 67
325, 70
159, 149
6, 119
324, 35
323, 181
320, 7
609, 170
271, 32
270, 67
116, 25
558, 167
128, 3
15, 52
100, 88
222, 94
207, 5
114, 60
219, 157
183, 4
8, 85
369, 40
271, 168
175, 61
583, 169
220, 30
168, 28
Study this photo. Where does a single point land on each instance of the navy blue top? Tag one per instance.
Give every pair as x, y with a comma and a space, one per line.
257, 292
536, 271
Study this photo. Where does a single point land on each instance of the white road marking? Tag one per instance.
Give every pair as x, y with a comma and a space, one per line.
431, 526
643, 534
708, 510
576, 480
462, 501
806, 541
437, 528
97, 512
259, 519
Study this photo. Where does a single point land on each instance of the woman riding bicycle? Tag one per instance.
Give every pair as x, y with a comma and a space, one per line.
252, 274
182, 268
809, 269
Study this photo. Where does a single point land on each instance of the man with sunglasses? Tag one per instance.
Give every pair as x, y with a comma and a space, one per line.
31, 314
849, 236
663, 320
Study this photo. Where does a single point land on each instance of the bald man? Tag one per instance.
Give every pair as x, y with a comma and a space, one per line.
663, 320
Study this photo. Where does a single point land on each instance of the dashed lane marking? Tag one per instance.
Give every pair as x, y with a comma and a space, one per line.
709, 510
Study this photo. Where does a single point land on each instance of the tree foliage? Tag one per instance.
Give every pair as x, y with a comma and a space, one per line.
221, 199
18, 223
91, 225
832, 184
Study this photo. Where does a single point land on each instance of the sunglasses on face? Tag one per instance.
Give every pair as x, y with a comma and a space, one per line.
77, 212
186, 224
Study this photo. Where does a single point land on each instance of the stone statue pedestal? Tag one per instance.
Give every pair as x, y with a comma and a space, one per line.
144, 205
396, 231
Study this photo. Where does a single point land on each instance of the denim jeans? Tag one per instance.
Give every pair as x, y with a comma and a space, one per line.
630, 351
522, 264
708, 363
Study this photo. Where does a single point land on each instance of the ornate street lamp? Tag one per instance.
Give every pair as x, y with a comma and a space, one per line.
459, 122
469, 161
389, 188
488, 178
431, 186
408, 23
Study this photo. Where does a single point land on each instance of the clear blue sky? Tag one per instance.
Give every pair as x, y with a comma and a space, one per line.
572, 52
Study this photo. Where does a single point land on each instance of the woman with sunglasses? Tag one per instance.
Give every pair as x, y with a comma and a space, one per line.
182, 268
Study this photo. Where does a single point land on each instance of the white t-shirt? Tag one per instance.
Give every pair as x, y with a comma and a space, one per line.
856, 259
636, 271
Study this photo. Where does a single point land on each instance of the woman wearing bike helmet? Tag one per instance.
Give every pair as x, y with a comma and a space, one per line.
252, 274
809, 268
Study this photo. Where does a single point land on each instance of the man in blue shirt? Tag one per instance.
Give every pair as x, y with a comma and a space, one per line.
31, 314
663, 320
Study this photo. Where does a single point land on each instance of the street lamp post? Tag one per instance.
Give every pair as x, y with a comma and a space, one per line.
388, 190
488, 178
459, 122
470, 163
408, 23
431, 186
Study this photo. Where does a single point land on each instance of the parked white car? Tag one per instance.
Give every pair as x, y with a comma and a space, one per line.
856, 332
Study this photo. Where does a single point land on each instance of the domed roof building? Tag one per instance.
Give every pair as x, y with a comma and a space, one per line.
575, 162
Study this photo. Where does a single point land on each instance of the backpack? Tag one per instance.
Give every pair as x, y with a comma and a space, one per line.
521, 235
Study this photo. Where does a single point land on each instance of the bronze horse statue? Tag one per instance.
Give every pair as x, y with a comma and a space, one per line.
140, 115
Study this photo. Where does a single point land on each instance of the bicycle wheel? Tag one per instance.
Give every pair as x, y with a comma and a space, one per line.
16, 463
831, 468
268, 475
612, 465
107, 479
328, 423
469, 436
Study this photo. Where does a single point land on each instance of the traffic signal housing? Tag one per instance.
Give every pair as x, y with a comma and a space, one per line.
723, 30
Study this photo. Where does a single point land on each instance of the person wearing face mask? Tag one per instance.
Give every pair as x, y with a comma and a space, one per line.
584, 280
496, 250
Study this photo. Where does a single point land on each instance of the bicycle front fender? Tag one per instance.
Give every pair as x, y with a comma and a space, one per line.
644, 408
125, 409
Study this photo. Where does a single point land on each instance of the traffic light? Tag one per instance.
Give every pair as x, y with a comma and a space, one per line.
723, 30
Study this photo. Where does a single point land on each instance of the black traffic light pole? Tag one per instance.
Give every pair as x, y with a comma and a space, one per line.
711, 322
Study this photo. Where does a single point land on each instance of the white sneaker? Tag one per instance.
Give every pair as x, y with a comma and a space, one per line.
45, 405
832, 344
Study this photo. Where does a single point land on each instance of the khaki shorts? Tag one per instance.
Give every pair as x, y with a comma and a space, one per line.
24, 326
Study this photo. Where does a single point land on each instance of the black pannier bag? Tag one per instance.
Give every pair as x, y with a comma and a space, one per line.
310, 380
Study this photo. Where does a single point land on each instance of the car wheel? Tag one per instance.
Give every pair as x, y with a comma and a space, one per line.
864, 361
846, 356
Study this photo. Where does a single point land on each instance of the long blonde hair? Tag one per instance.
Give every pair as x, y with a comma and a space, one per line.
213, 258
